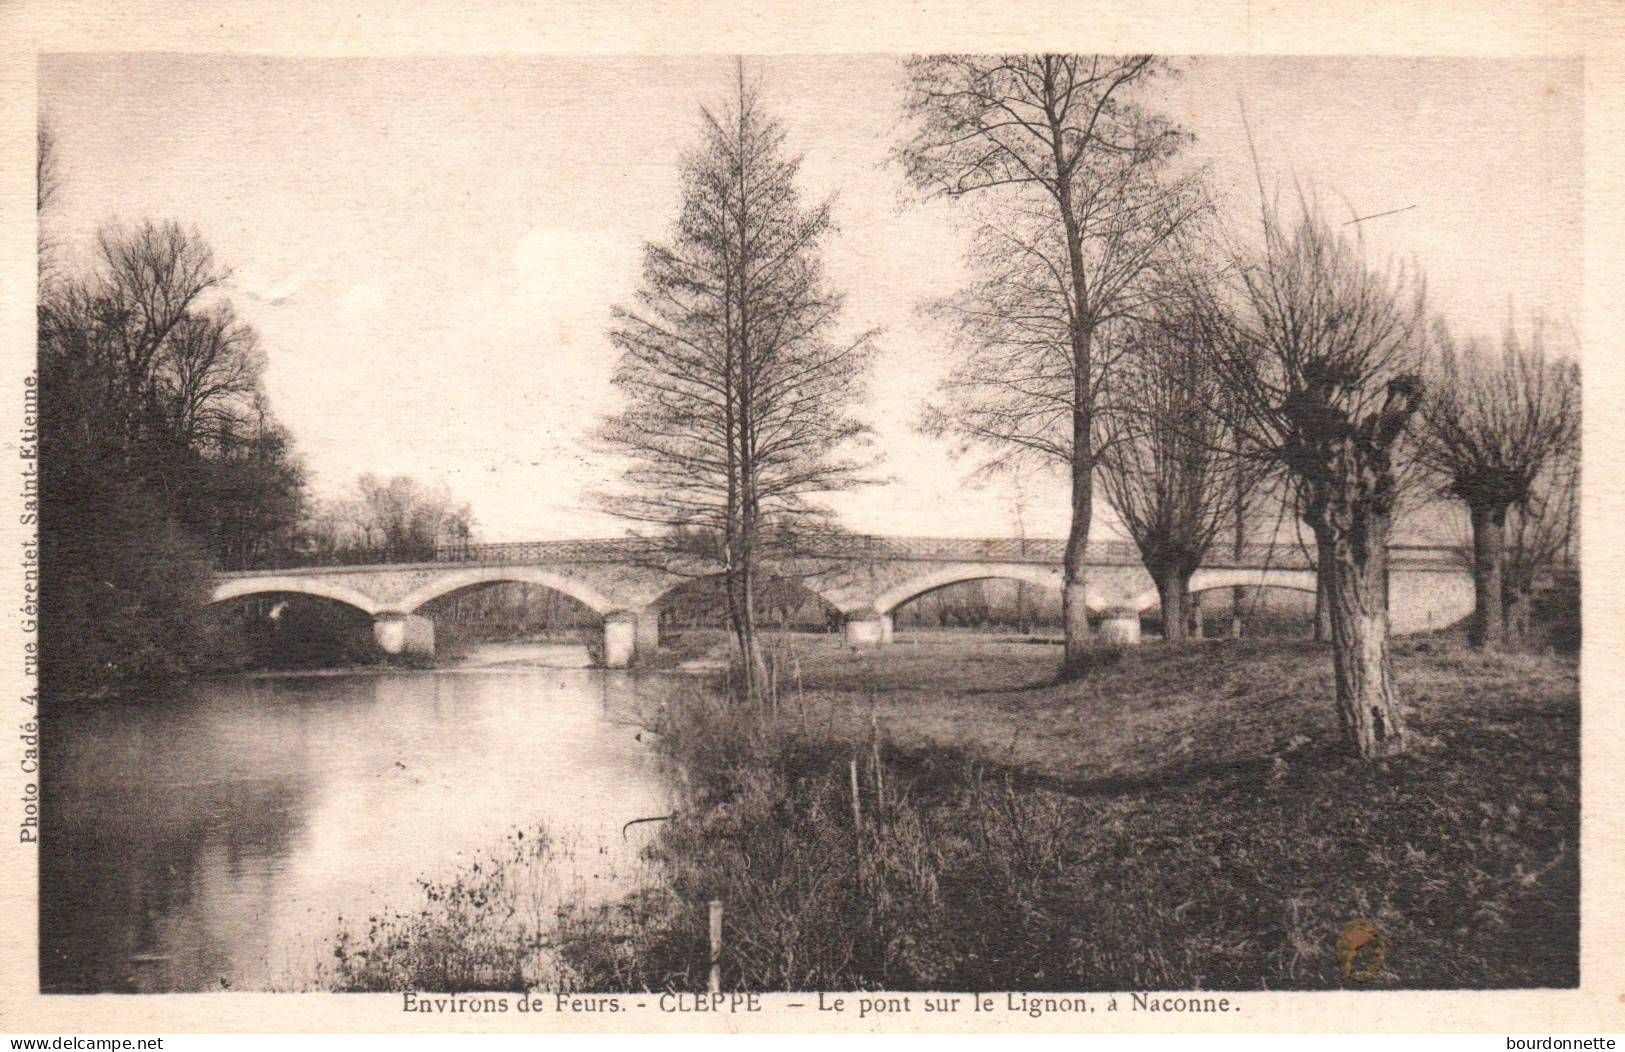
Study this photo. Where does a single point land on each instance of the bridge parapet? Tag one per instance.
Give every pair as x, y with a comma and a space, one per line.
859, 548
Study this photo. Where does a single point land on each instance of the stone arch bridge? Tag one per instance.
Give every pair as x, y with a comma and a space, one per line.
865, 579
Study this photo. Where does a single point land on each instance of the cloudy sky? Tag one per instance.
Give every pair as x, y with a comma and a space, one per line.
430, 247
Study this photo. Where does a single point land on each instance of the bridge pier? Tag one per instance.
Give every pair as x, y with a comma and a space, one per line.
620, 639
868, 630
647, 642
404, 634
1120, 627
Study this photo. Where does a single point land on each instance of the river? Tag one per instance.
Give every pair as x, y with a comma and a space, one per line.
213, 840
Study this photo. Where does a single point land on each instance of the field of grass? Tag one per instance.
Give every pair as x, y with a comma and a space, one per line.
1185, 817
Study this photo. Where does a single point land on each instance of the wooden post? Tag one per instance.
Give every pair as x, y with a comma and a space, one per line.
1238, 594
857, 810
857, 824
880, 774
715, 984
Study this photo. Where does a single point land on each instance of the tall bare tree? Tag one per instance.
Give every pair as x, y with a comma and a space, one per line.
738, 391
151, 279
1495, 424
1324, 356
1168, 464
1078, 166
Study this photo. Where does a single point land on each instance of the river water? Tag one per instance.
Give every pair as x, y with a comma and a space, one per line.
214, 839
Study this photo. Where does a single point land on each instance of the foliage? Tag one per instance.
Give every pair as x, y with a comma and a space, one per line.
124, 584
1543, 540
978, 868
47, 187
490, 926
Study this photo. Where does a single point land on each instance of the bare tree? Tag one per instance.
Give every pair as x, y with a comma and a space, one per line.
1324, 356
208, 373
1168, 464
399, 518
151, 277
1494, 424
406, 518
1077, 165
1542, 536
738, 393
110, 335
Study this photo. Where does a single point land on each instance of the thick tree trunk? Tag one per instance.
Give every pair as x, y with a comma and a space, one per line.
1171, 594
1075, 623
752, 663
1350, 489
1489, 534
1367, 704
1074, 594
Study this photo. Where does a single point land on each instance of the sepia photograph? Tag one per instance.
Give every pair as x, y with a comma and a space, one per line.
1051, 533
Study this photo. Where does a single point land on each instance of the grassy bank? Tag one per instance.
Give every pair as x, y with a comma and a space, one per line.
1183, 818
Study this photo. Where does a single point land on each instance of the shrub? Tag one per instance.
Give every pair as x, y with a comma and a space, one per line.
122, 586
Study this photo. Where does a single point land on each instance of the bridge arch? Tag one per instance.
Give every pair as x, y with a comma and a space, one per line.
828, 597
1205, 580
895, 596
445, 584
237, 587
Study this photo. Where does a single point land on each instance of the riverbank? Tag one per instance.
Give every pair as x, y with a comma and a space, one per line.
701, 652
1184, 818
520, 655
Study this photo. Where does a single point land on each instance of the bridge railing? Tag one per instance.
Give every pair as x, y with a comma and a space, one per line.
617, 549
843, 547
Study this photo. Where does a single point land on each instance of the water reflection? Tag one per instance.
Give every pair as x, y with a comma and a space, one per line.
214, 840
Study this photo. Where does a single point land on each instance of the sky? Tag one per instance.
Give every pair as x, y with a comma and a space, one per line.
430, 247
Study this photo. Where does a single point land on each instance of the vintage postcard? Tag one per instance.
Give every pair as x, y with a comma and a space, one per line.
653, 519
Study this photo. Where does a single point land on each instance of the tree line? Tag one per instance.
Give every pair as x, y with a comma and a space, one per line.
159, 452
1118, 326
